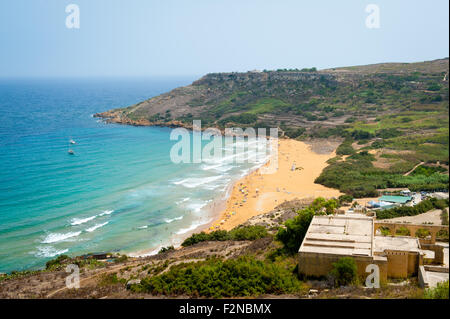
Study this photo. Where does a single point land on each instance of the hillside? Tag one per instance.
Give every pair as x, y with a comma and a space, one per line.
187, 272
392, 117
298, 98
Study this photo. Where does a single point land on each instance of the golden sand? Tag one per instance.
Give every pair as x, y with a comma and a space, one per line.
257, 193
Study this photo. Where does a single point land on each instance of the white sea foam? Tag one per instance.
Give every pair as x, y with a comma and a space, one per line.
193, 182
169, 220
79, 221
106, 212
183, 200
91, 229
217, 167
56, 237
49, 251
192, 227
196, 207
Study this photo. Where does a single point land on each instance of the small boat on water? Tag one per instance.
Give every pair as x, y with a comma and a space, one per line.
72, 142
71, 152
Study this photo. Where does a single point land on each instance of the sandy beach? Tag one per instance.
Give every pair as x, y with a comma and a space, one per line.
257, 193
260, 192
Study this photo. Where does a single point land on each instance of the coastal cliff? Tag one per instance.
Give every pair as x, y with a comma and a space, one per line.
390, 117
299, 102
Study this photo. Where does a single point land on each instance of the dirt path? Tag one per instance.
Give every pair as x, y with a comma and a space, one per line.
91, 277
412, 170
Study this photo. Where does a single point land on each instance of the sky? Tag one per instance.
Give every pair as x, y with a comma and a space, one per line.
119, 38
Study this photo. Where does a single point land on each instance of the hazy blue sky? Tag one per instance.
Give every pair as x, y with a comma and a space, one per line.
193, 37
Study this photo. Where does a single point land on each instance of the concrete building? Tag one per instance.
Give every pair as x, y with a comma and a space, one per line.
332, 237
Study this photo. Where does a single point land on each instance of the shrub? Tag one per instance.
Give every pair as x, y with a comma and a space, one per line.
244, 118
442, 235
440, 292
248, 233
292, 236
388, 133
344, 271
403, 231
110, 280
121, 258
165, 249
57, 262
238, 233
295, 229
219, 278
345, 199
294, 133
361, 135
422, 233
385, 231
345, 148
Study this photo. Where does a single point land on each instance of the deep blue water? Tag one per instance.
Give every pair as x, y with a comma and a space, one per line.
119, 192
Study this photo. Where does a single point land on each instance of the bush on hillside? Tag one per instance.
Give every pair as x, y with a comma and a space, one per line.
295, 229
219, 278
440, 292
238, 233
344, 271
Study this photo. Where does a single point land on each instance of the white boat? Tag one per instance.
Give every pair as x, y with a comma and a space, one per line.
72, 142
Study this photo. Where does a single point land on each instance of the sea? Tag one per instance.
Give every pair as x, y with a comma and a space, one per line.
120, 190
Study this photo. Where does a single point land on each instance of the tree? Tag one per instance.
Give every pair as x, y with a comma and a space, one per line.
292, 236
295, 229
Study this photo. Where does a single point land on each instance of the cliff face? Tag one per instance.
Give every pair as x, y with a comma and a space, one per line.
292, 99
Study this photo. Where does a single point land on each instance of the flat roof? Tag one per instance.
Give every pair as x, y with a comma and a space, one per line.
340, 235
400, 243
395, 199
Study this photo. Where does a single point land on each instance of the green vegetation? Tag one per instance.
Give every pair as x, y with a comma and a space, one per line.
244, 118
403, 231
395, 110
440, 292
110, 280
427, 170
18, 274
345, 199
238, 233
345, 148
423, 207
295, 229
344, 272
444, 217
294, 132
442, 235
423, 233
357, 176
385, 231
166, 249
57, 263
219, 278
121, 258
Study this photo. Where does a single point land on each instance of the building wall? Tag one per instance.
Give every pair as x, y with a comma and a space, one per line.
320, 265
438, 252
434, 229
402, 264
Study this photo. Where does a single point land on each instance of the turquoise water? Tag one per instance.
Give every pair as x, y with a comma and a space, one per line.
119, 192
